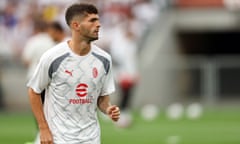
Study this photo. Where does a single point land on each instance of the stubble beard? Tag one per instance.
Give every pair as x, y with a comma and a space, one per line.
91, 39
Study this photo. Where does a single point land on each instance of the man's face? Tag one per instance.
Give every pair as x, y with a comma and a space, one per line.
89, 27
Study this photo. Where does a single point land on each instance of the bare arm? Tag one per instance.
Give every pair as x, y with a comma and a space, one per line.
37, 108
111, 110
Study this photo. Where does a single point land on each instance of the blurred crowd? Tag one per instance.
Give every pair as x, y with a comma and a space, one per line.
17, 18
27, 25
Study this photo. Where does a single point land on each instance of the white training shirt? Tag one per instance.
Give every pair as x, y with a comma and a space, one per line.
73, 84
34, 48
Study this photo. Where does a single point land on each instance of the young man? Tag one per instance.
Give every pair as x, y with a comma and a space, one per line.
77, 77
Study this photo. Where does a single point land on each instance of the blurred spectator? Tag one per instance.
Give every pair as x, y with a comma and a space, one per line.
22, 31
57, 33
8, 17
36, 46
8, 20
146, 12
124, 52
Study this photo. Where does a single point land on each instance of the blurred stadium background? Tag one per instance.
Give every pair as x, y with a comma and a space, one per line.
188, 54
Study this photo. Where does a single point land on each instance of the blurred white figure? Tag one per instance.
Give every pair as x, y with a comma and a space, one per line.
123, 48
146, 12
36, 46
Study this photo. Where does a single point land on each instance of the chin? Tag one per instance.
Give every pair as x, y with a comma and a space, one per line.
95, 38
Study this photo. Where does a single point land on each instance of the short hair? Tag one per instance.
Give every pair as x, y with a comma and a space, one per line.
79, 10
57, 26
39, 24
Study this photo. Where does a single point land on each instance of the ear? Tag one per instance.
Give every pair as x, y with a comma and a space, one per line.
74, 25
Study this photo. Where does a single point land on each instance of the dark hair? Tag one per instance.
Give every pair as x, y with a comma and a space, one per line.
39, 24
57, 26
79, 10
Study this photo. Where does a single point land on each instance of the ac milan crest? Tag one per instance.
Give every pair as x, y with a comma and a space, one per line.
95, 72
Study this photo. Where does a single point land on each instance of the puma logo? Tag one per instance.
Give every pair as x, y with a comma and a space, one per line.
69, 72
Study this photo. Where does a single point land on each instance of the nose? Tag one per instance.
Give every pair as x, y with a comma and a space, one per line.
98, 24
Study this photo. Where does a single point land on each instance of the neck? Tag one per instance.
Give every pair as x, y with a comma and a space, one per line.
79, 46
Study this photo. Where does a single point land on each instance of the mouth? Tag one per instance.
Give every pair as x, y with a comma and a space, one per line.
96, 32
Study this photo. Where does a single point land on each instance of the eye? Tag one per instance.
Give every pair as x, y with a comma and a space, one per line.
93, 20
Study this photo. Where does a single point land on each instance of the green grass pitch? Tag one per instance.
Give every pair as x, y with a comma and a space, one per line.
216, 126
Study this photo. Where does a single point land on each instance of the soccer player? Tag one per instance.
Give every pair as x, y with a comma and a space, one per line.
77, 78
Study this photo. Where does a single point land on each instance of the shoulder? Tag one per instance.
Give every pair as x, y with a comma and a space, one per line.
55, 52
102, 56
98, 51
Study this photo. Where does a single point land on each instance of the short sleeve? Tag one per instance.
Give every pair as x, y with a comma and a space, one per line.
109, 84
40, 78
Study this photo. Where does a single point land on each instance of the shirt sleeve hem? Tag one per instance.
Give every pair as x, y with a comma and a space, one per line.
107, 93
36, 90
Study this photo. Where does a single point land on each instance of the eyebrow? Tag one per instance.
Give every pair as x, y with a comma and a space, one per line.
93, 19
